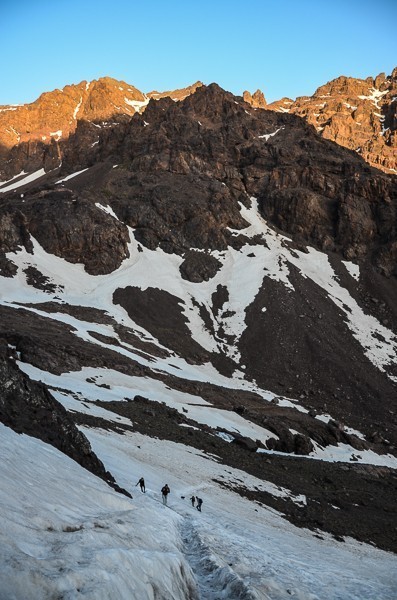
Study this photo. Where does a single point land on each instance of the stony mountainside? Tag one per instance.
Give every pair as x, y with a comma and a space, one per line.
54, 115
359, 114
209, 254
27, 407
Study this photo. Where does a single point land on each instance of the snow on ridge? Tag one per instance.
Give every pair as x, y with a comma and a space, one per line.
137, 104
76, 110
107, 209
28, 179
12, 178
353, 269
71, 175
379, 343
125, 386
374, 96
266, 136
56, 134
343, 453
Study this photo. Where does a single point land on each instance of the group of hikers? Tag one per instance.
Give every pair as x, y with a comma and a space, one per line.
199, 501
165, 490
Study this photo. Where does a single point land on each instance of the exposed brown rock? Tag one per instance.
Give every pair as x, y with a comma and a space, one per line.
356, 113
54, 114
179, 94
257, 99
360, 114
66, 226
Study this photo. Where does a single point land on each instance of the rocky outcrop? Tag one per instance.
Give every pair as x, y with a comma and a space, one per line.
199, 266
66, 226
184, 168
27, 407
359, 114
54, 115
30, 134
177, 95
257, 99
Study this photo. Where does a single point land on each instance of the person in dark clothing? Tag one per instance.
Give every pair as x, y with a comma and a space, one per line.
193, 500
165, 490
199, 503
141, 483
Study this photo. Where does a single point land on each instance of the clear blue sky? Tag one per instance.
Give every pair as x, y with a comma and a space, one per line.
284, 47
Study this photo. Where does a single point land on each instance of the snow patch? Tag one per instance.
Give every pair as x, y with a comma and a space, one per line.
31, 177
266, 136
72, 175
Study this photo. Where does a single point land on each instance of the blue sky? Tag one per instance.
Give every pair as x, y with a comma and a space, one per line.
285, 48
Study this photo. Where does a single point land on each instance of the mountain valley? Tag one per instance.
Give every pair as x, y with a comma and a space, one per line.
201, 288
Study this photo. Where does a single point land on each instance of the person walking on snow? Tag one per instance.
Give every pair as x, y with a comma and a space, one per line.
141, 483
165, 490
199, 503
193, 499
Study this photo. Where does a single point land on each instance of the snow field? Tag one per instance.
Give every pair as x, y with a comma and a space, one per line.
241, 274
236, 540
65, 534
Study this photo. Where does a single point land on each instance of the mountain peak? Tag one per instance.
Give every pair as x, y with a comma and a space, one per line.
257, 99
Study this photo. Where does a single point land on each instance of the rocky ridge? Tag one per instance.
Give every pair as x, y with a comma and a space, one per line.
359, 114
355, 113
35, 129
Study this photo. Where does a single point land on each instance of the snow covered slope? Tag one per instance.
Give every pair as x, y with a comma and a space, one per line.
70, 536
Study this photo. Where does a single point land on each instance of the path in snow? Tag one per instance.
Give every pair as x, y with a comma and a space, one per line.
216, 581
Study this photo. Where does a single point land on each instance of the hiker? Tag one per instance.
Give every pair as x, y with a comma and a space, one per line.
165, 490
199, 503
141, 483
193, 499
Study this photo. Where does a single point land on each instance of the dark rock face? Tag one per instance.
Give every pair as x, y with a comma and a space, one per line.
337, 212
198, 266
66, 226
27, 407
184, 167
245, 443
300, 345
307, 186
160, 313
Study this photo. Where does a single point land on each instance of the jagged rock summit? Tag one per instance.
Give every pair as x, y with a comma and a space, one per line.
257, 99
54, 115
360, 114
